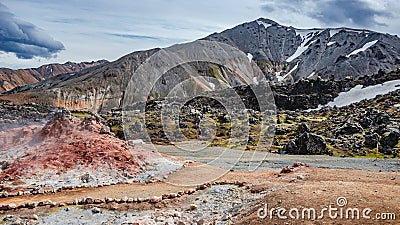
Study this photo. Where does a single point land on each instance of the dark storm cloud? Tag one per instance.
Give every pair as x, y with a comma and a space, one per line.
284, 5
355, 11
25, 39
332, 12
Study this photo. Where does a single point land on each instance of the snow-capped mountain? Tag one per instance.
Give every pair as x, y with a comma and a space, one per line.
284, 54
290, 53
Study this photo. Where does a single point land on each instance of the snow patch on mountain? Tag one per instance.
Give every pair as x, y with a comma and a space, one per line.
331, 43
311, 75
255, 80
281, 78
307, 33
250, 56
266, 25
363, 48
358, 93
212, 86
303, 47
332, 32
294, 68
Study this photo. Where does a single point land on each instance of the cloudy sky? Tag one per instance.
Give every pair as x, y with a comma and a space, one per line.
36, 32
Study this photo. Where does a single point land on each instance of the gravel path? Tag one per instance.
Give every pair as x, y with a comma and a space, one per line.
238, 160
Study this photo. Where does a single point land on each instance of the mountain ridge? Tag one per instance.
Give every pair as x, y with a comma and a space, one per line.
10, 79
284, 54
321, 51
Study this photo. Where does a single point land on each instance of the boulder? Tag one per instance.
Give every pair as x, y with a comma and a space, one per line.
4, 165
275, 142
281, 130
371, 140
387, 150
98, 201
173, 195
390, 138
88, 200
306, 144
4, 207
290, 147
4, 194
193, 207
382, 118
124, 199
8, 218
309, 143
12, 206
303, 128
286, 170
366, 122
350, 128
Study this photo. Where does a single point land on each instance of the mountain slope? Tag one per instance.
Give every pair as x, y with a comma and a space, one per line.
10, 79
103, 88
94, 89
286, 52
283, 54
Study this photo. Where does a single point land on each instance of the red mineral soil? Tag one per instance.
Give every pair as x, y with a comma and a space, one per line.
64, 144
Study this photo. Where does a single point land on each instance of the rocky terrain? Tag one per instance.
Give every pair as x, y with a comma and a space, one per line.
369, 128
67, 91
80, 144
337, 55
69, 151
309, 94
10, 79
288, 53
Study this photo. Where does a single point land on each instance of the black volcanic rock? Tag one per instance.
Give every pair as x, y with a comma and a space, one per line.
306, 144
390, 138
371, 140
303, 128
350, 128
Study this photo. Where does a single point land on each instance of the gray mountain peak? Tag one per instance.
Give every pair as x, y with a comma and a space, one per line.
288, 53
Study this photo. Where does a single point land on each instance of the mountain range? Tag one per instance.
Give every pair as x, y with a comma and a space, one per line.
10, 79
294, 53
285, 55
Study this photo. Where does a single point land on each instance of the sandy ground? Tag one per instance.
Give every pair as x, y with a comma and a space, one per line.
304, 188
378, 191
